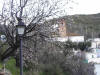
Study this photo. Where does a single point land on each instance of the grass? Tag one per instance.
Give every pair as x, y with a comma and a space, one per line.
11, 66
1, 65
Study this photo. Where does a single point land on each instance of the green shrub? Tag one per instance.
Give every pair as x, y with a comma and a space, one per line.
52, 69
11, 66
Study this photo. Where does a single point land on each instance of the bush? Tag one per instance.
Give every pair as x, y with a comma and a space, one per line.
84, 45
81, 45
77, 66
52, 69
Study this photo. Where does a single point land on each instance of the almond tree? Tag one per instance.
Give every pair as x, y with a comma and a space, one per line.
33, 13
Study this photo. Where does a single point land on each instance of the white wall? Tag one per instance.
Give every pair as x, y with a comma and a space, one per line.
77, 38
71, 38
91, 55
95, 43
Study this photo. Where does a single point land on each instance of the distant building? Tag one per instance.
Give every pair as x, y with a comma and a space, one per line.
62, 29
95, 46
95, 43
71, 38
63, 33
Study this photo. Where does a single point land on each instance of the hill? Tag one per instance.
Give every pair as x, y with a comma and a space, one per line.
88, 25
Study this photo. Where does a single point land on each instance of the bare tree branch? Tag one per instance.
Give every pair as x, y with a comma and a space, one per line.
33, 13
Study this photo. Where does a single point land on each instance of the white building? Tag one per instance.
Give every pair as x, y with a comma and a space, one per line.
94, 56
95, 43
63, 34
71, 38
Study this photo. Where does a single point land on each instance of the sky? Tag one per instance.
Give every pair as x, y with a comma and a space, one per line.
84, 7
80, 7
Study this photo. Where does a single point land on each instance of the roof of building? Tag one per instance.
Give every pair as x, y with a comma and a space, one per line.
72, 34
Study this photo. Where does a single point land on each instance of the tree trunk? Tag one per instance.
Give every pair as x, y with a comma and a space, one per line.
17, 61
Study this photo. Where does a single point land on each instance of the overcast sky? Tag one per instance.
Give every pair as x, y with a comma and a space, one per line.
85, 7
81, 7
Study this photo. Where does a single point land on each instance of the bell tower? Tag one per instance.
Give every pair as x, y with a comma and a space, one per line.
62, 28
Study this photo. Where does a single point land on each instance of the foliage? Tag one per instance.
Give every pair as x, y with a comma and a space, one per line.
11, 66
52, 69
84, 45
58, 65
76, 66
3, 47
69, 44
81, 45
87, 25
1, 65
71, 66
